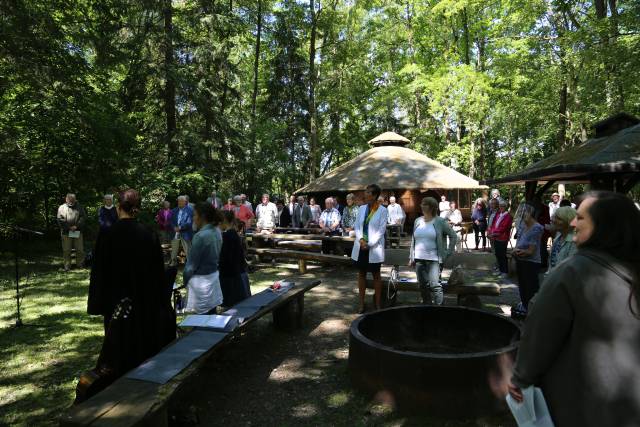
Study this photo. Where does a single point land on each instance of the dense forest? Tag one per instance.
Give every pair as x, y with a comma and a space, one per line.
185, 96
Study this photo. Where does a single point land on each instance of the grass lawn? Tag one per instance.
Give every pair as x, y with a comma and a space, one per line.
41, 361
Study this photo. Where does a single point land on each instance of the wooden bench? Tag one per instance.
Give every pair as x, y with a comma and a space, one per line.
464, 290
305, 245
301, 256
399, 257
135, 402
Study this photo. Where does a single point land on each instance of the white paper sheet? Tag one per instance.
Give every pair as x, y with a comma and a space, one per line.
74, 234
214, 321
533, 411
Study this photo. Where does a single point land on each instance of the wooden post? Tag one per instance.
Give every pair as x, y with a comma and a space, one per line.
289, 316
302, 266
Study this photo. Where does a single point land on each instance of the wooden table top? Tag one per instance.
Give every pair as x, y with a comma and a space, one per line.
293, 237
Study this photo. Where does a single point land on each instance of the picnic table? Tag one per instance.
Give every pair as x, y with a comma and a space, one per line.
301, 245
260, 240
294, 230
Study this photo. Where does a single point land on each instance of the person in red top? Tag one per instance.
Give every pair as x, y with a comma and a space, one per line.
500, 233
242, 212
163, 219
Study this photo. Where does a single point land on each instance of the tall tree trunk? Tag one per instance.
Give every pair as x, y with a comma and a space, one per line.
481, 43
256, 64
467, 43
616, 78
313, 117
254, 96
562, 116
601, 8
170, 86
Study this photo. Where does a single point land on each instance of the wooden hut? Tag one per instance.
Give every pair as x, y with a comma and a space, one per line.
610, 160
400, 172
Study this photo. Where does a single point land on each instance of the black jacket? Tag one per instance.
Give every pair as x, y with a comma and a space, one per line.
285, 217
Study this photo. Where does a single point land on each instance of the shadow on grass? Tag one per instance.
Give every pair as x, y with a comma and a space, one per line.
40, 362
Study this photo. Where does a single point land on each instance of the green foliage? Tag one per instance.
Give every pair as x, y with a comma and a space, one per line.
83, 90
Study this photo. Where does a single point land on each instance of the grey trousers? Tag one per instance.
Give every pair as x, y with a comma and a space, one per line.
175, 248
67, 244
428, 273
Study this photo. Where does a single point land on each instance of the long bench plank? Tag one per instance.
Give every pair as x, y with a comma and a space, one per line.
129, 402
300, 237
309, 256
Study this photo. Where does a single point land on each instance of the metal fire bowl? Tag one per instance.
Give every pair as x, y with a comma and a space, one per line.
439, 361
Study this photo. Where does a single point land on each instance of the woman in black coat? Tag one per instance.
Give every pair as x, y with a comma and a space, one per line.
232, 265
128, 287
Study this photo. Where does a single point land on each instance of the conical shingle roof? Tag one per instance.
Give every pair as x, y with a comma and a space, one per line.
389, 138
391, 167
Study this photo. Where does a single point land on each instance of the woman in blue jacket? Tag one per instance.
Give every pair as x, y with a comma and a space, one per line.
201, 270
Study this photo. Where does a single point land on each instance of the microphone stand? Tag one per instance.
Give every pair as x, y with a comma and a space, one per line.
17, 231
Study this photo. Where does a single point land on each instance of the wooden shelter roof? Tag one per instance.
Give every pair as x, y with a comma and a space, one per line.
391, 167
389, 138
616, 154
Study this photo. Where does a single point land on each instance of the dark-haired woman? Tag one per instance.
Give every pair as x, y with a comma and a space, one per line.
201, 270
580, 343
479, 218
234, 280
128, 288
368, 247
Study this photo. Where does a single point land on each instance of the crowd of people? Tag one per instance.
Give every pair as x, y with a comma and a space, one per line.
579, 299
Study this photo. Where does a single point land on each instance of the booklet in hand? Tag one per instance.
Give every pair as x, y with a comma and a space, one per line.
532, 411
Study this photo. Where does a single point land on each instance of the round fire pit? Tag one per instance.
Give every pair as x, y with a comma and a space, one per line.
435, 360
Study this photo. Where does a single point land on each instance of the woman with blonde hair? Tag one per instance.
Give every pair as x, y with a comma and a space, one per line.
563, 245
429, 249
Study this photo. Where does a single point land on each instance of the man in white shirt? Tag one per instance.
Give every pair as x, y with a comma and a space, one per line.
266, 214
329, 222
395, 219
395, 212
554, 204
443, 207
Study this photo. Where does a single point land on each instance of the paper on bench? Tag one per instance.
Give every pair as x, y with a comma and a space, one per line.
214, 321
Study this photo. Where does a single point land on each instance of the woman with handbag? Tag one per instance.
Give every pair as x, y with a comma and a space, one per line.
429, 250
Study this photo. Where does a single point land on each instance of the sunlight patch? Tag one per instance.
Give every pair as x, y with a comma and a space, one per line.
304, 410
330, 327
338, 399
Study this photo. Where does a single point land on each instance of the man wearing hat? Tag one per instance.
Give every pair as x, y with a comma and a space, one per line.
554, 204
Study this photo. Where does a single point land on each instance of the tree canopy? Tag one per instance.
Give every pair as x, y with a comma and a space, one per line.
185, 96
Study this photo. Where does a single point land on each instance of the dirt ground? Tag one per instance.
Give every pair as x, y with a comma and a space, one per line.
272, 378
